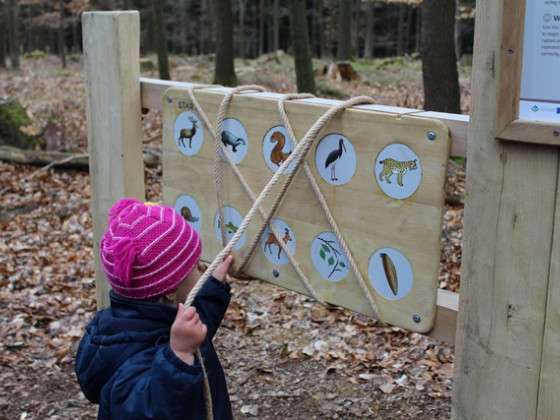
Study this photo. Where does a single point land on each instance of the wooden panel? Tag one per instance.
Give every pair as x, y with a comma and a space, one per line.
532, 132
153, 89
549, 384
111, 51
509, 213
369, 219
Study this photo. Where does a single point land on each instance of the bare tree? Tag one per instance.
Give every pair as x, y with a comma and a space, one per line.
439, 65
224, 71
370, 30
300, 45
276, 25
61, 43
344, 48
160, 30
13, 36
3, 34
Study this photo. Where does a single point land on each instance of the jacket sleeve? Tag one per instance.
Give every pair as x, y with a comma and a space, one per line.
211, 302
156, 384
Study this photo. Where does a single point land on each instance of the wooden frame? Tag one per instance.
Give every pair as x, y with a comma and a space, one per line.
510, 73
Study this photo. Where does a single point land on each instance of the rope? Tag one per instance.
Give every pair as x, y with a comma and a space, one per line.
321, 198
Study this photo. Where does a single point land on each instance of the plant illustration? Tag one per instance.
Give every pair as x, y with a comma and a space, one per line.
331, 255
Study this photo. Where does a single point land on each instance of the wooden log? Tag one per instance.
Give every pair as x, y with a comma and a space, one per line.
509, 219
60, 159
111, 52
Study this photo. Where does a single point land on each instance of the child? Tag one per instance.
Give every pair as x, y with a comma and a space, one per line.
136, 358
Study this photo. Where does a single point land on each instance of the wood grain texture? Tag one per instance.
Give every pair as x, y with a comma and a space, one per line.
507, 246
549, 384
531, 132
111, 51
153, 90
369, 219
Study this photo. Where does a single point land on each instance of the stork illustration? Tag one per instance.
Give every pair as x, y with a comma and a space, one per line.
333, 157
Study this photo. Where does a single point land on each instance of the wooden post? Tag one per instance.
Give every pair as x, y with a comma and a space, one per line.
112, 67
510, 251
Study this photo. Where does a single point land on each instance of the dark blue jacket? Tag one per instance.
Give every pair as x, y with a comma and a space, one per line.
125, 364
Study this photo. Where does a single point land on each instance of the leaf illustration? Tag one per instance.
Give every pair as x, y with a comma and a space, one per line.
342, 264
326, 248
322, 254
331, 261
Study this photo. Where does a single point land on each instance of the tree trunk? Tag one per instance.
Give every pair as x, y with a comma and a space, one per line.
300, 45
3, 35
356, 6
458, 37
439, 65
160, 30
370, 31
344, 47
13, 36
262, 33
241, 41
224, 72
418, 45
61, 43
400, 31
276, 25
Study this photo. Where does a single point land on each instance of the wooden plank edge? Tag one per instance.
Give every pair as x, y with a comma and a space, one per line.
531, 132
152, 95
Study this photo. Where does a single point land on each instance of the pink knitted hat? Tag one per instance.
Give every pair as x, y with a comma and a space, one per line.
147, 250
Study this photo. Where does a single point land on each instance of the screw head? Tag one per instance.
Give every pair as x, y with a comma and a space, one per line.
431, 135
556, 133
275, 273
416, 318
169, 99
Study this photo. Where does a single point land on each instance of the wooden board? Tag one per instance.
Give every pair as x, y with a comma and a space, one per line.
370, 220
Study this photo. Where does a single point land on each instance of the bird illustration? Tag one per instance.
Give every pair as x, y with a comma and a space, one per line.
188, 216
333, 157
188, 133
230, 139
390, 273
277, 156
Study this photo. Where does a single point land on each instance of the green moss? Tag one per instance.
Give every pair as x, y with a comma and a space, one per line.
13, 117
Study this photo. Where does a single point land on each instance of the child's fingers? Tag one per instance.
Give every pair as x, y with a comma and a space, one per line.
187, 314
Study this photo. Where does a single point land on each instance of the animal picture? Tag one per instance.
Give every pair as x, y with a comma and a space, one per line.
188, 133
277, 155
333, 157
188, 216
273, 240
229, 227
392, 166
390, 273
231, 140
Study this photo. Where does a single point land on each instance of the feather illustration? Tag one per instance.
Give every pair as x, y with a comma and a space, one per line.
390, 273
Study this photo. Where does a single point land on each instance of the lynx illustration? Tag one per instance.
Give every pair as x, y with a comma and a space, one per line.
392, 166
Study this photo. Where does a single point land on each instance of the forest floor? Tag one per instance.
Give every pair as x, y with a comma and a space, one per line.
284, 355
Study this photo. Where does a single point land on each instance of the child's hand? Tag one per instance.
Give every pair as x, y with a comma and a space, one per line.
187, 333
221, 271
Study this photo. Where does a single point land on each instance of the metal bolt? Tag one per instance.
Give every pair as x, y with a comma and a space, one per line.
169, 99
510, 51
431, 135
556, 133
416, 318
275, 273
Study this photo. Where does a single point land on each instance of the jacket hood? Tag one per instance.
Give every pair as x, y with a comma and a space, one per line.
115, 334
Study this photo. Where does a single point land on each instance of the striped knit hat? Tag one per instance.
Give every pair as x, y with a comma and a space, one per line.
147, 249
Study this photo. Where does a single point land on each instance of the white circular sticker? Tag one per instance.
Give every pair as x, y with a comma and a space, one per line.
328, 257
234, 139
398, 171
335, 159
270, 246
187, 207
277, 147
188, 133
232, 221
390, 273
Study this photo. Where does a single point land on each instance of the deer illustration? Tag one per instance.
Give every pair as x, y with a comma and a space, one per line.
273, 240
188, 133
277, 156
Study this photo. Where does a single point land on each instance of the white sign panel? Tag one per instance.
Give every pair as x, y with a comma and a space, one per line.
540, 84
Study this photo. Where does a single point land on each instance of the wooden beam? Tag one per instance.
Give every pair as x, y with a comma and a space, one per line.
112, 67
531, 132
153, 90
509, 215
445, 324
